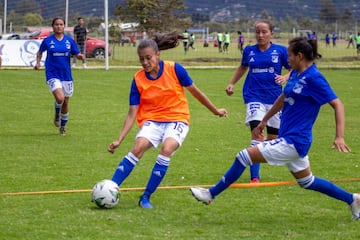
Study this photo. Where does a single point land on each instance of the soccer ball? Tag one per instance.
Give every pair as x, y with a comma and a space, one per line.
105, 194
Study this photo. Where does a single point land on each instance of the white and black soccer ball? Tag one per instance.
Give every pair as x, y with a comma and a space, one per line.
105, 194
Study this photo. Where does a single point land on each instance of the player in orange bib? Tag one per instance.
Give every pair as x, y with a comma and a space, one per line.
159, 104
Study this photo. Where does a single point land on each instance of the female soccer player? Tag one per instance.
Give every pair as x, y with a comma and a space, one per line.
158, 103
262, 85
306, 91
59, 49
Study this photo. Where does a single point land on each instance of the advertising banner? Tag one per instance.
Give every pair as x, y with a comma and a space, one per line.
20, 52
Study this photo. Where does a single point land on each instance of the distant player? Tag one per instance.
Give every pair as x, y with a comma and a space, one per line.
241, 41
59, 49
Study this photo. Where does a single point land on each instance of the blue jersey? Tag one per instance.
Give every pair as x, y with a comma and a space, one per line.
181, 74
304, 95
259, 85
57, 63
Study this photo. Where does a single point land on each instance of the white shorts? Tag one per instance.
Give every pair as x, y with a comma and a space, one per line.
67, 86
157, 132
255, 111
278, 152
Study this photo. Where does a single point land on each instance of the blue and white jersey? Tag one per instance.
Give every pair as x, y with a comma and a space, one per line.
259, 85
304, 95
57, 63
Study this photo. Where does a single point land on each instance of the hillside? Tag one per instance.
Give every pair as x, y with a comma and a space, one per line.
220, 10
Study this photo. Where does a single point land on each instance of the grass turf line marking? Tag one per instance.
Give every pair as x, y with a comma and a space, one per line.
234, 185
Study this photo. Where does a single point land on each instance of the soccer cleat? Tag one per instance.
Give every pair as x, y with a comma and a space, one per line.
144, 202
62, 131
73, 65
254, 180
202, 195
84, 65
355, 207
57, 119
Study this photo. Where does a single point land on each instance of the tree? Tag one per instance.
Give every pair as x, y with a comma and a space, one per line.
347, 19
27, 6
328, 13
33, 19
154, 15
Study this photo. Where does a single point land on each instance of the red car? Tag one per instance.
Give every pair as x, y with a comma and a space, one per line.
95, 48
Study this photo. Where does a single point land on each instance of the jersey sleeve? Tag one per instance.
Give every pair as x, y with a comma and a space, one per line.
74, 47
183, 76
284, 58
43, 47
134, 98
322, 91
244, 60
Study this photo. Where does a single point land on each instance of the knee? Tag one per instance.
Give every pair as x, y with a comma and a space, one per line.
244, 158
305, 182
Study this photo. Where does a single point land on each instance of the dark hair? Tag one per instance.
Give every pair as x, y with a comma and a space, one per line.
57, 18
79, 18
161, 41
268, 22
308, 47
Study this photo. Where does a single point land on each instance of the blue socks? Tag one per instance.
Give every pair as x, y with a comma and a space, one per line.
125, 168
255, 171
158, 173
128, 163
57, 106
64, 118
255, 168
241, 161
326, 187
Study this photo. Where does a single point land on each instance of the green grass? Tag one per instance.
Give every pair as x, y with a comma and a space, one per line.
33, 157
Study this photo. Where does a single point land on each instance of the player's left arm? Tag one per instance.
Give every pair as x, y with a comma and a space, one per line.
204, 100
339, 142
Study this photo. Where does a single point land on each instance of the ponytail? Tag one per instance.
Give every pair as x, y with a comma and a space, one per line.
308, 47
161, 41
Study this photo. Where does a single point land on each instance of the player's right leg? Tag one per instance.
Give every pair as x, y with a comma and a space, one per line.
55, 87
306, 180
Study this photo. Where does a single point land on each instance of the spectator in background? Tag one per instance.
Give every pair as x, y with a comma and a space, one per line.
358, 44
133, 40
241, 41
220, 40
314, 36
80, 35
351, 40
334, 38
327, 40
192, 41
226, 42
185, 40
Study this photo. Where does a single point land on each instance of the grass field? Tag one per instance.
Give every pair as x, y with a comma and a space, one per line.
33, 157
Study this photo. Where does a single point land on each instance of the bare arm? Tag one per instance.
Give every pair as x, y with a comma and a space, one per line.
240, 71
38, 59
281, 79
339, 142
80, 56
204, 100
128, 123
